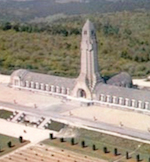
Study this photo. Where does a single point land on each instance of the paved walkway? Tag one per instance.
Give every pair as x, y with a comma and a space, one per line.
29, 133
125, 132
115, 120
141, 82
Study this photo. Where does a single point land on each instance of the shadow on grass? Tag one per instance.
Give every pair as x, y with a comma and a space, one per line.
2, 151
12, 146
84, 146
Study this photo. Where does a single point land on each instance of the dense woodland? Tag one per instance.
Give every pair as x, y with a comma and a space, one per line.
37, 37
123, 40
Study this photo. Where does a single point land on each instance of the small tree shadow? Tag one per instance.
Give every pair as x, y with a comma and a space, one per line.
62, 140
2, 151
118, 154
130, 157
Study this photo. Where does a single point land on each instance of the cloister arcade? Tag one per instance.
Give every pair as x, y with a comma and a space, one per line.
124, 101
42, 87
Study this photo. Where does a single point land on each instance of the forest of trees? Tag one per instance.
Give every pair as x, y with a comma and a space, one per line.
123, 40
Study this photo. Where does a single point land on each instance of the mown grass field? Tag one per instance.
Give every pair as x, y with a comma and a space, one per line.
56, 126
4, 114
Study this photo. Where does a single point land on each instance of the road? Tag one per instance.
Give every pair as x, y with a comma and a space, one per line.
75, 121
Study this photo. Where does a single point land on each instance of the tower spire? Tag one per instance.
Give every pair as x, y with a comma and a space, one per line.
89, 55
89, 74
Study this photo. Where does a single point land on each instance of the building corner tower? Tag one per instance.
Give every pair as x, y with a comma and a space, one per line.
89, 74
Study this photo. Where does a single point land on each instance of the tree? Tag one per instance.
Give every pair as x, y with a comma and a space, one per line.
21, 139
9, 144
82, 144
6, 26
72, 141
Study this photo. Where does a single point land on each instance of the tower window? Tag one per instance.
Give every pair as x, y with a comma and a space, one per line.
85, 32
92, 32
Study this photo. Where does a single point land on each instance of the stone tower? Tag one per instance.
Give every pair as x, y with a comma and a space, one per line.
89, 75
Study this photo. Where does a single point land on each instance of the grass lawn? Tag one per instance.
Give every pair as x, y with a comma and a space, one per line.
15, 144
102, 140
5, 114
56, 126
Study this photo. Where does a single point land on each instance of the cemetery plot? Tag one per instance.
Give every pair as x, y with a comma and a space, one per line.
44, 153
8, 144
102, 146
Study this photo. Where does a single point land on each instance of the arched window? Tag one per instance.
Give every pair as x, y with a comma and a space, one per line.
102, 97
16, 82
120, 100
108, 98
114, 99
42, 86
27, 84
63, 90
47, 87
126, 102
132, 103
37, 85
32, 85
53, 88
139, 104
146, 105
57, 89
68, 91
92, 32
85, 32
81, 93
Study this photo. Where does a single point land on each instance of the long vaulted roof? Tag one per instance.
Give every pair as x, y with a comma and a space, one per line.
26, 75
130, 93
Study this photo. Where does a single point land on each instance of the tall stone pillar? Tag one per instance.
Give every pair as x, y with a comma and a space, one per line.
89, 73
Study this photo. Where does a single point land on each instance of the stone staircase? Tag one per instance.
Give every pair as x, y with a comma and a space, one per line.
44, 122
18, 117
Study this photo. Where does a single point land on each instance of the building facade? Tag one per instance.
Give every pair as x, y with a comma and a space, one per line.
89, 86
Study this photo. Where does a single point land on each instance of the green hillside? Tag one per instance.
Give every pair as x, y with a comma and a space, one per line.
123, 39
